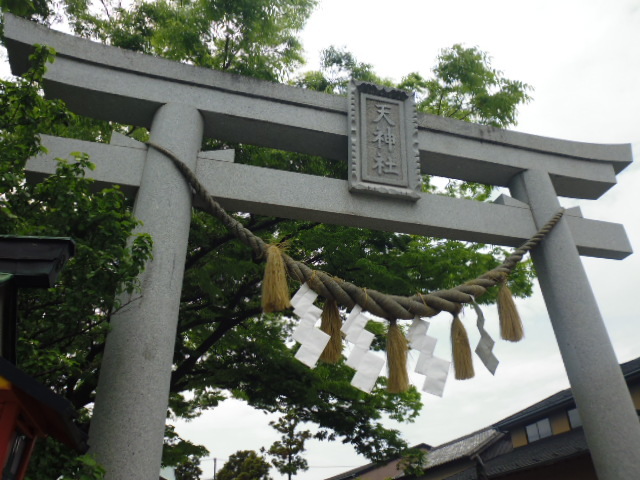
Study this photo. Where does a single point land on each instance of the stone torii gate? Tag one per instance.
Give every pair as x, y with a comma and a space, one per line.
181, 103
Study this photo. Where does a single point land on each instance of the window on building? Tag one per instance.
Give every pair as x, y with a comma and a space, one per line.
538, 430
574, 418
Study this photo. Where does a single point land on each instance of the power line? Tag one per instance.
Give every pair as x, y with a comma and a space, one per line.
334, 466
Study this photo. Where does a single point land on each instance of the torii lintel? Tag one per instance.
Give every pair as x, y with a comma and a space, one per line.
258, 190
128, 87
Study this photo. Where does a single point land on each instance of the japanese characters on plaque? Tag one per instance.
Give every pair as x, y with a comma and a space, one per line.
383, 154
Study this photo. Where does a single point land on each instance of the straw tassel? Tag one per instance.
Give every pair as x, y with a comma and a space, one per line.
462, 360
510, 324
275, 290
331, 324
397, 349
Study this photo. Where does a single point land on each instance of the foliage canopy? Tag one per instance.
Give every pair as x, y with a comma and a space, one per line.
245, 465
286, 453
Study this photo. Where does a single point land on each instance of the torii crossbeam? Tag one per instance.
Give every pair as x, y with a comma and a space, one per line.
181, 103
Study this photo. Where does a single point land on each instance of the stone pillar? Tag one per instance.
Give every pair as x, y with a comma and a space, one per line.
128, 424
610, 421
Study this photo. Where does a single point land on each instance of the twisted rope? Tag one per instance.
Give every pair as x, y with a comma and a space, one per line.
347, 294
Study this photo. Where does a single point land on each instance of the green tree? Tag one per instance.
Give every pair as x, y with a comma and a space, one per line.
224, 347
183, 455
62, 330
245, 465
83, 467
286, 454
466, 86
256, 38
413, 462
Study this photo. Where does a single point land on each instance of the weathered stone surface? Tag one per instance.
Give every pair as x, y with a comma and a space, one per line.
127, 428
597, 384
292, 195
383, 142
127, 87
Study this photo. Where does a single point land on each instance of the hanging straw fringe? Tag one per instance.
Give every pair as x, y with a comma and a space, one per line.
462, 360
331, 324
397, 349
347, 294
275, 290
510, 324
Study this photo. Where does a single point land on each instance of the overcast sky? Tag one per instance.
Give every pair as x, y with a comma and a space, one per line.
583, 59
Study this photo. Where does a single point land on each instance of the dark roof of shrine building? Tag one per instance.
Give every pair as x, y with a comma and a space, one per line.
496, 449
460, 448
631, 369
463, 447
563, 399
542, 452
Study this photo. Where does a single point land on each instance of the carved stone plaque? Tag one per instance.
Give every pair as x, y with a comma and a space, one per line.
383, 153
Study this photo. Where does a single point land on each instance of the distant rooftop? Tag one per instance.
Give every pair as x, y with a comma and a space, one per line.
541, 452
630, 369
462, 447
356, 472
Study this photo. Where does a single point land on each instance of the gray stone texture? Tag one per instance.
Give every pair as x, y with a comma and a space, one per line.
383, 142
119, 85
609, 417
127, 428
292, 195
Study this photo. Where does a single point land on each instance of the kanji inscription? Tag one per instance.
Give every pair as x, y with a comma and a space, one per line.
384, 147
383, 154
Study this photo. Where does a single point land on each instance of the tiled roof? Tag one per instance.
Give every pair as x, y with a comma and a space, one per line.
631, 368
462, 447
541, 452
563, 398
353, 473
456, 449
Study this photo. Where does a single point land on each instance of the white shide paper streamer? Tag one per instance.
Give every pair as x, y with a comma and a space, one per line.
312, 340
435, 369
366, 363
484, 350
368, 372
303, 300
361, 345
437, 372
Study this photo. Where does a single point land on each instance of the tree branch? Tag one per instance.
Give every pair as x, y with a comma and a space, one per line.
234, 300
204, 251
184, 368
